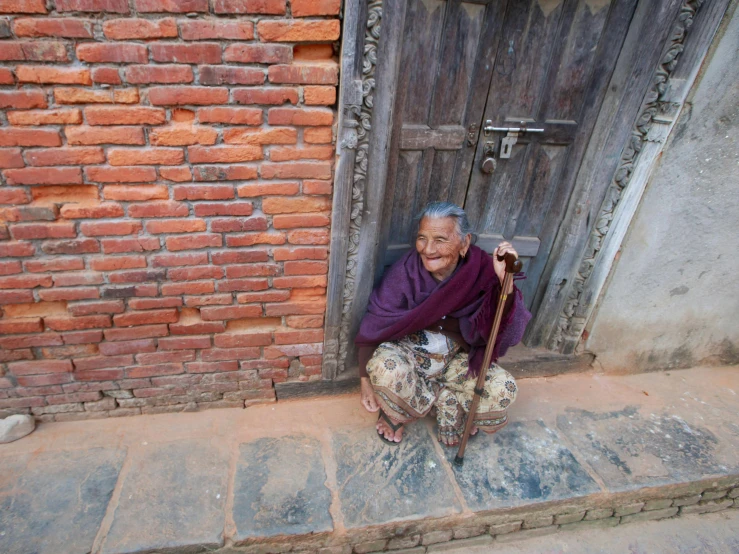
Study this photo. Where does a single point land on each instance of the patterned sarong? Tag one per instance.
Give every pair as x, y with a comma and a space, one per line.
427, 370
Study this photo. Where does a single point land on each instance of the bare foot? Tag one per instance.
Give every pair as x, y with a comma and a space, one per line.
386, 431
453, 440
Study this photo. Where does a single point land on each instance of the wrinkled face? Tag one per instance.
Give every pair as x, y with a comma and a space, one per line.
440, 246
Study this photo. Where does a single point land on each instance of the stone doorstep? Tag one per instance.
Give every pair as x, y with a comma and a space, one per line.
429, 536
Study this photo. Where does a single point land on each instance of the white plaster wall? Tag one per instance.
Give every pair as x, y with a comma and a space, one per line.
673, 296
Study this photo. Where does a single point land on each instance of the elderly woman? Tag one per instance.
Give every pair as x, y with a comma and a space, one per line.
423, 338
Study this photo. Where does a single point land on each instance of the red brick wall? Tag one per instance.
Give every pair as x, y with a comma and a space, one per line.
165, 200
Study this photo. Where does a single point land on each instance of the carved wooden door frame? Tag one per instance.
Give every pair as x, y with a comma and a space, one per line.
645, 95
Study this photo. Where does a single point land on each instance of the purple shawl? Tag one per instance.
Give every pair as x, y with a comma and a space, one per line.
409, 299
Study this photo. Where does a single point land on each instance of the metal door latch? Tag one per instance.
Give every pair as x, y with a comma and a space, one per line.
512, 134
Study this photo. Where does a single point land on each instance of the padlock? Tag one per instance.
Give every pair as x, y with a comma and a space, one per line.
489, 164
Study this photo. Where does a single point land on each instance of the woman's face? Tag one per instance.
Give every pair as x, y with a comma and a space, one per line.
440, 246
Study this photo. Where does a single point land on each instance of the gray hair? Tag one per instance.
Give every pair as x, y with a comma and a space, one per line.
438, 210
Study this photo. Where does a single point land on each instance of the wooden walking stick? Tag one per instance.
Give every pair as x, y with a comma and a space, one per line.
512, 265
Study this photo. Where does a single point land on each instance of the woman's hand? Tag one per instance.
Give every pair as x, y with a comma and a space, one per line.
499, 265
368, 395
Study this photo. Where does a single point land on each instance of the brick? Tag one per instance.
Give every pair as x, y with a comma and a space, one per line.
212, 367
12, 196
657, 504
184, 343
139, 29
61, 264
203, 192
300, 116
217, 30
162, 357
165, 74
130, 290
45, 176
712, 495
193, 241
599, 514
272, 96
62, 323
101, 307
255, 238
563, 519
179, 174
11, 158
209, 300
51, 75
295, 221
136, 333
21, 325
139, 115
650, 515
307, 74
120, 174
138, 244
195, 273
370, 546
9, 268
113, 263
258, 53
159, 209
318, 135
153, 303
176, 260
99, 375
43, 230
136, 276
22, 99
267, 296
230, 285
34, 51
307, 8
31, 341
23, 6
76, 293
102, 362
289, 153
112, 53
207, 209
22, 402
296, 170
29, 137
628, 509
522, 535
220, 313
77, 278
505, 528
274, 205
298, 30
294, 308
317, 187
176, 226
16, 249
109, 228
186, 53
229, 75
197, 328
239, 257
305, 268
94, 211
172, 6
149, 317
237, 225
189, 287
184, 95
6, 76
73, 95
323, 96
45, 117
700, 508
226, 173
221, 154
241, 340
308, 236
298, 337
112, 6
686, 500
65, 156
232, 116
84, 135
153, 370
106, 75
183, 135
145, 156
25, 281
264, 7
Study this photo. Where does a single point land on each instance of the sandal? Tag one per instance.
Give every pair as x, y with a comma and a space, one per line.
393, 426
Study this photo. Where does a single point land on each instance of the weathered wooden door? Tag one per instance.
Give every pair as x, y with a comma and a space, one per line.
468, 65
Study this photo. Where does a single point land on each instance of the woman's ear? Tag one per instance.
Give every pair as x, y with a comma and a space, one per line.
466, 245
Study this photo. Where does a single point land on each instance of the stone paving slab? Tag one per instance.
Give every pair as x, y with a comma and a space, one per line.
280, 488
630, 450
524, 463
54, 502
379, 483
173, 496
